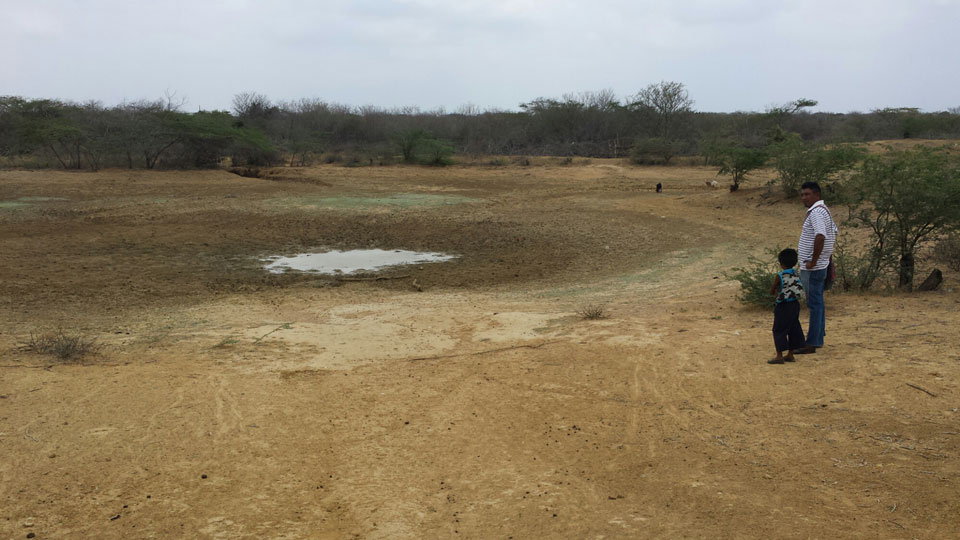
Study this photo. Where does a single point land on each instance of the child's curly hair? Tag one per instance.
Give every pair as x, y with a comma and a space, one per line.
788, 258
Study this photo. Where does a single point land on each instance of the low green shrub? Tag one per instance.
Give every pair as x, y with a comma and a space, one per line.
755, 279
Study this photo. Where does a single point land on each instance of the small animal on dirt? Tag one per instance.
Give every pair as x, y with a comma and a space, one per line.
659, 187
713, 183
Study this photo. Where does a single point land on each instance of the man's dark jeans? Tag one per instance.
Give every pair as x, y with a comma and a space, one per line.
812, 281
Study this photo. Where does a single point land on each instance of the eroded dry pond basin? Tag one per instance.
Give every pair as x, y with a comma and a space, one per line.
230, 402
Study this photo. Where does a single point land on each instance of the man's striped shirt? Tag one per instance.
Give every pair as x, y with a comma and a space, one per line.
818, 221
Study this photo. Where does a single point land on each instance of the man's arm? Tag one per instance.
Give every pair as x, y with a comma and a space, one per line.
817, 249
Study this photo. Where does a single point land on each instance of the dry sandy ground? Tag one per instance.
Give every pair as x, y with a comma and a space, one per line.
226, 402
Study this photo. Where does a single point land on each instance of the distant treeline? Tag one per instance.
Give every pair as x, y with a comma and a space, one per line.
654, 125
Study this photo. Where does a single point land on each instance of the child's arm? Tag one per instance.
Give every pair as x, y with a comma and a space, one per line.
775, 288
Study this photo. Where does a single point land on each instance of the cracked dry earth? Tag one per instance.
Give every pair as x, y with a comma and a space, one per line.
227, 402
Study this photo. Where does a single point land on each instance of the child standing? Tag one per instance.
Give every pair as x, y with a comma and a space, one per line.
787, 332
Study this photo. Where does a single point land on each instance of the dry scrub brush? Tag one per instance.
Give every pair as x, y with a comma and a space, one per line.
65, 347
593, 312
947, 251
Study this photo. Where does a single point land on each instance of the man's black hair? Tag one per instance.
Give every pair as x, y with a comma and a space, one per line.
812, 186
788, 257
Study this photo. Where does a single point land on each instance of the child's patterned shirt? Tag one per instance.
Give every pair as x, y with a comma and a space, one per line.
790, 287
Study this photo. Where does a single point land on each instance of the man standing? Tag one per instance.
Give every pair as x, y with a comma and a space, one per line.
817, 238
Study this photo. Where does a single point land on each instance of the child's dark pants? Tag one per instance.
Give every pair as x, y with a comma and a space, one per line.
787, 332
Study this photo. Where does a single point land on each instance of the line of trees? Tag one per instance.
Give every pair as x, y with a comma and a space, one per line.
652, 126
143, 134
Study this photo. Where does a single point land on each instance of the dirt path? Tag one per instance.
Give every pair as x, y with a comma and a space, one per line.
230, 403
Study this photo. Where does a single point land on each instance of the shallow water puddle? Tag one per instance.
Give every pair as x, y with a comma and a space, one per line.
348, 262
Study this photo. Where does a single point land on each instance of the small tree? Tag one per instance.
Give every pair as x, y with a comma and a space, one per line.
147, 129
669, 105
798, 162
738, 161
779, 114
859, 266
407, 143
209, 135
51, 126
646, 149
418, 146
248, 105
906, 198
435, 152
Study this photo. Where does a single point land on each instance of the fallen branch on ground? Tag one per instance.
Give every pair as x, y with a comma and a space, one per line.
284, 326
48, 366
921, 389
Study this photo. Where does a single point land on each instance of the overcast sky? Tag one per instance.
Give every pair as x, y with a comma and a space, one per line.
850, 55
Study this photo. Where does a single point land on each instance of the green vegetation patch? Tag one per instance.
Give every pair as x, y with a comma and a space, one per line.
25, 201
403, 200
39, 199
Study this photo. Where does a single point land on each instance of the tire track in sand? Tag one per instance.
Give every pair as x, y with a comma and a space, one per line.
227, 415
